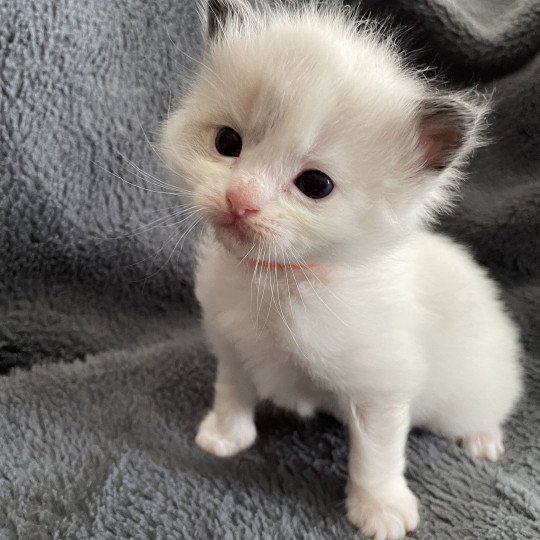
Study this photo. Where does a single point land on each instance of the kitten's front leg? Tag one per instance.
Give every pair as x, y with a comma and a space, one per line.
378, 499
229, 427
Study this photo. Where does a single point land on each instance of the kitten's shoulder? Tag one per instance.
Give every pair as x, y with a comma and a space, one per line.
438, 258
435, 243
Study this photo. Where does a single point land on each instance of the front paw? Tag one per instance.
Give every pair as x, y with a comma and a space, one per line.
225, 439
387, 517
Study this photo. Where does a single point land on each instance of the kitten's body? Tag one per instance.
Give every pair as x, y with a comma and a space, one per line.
423, 321
338, 300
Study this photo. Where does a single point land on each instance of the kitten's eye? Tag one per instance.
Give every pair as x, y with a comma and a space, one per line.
228, 142
314, 184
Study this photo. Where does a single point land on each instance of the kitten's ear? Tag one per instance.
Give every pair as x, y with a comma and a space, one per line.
221, 13
448, 129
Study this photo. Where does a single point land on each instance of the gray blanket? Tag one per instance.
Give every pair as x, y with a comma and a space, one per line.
106, 374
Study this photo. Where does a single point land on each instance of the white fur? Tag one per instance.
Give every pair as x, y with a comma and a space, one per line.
390, 325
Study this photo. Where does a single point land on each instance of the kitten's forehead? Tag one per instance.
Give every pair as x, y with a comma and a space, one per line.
274, 89
302, 78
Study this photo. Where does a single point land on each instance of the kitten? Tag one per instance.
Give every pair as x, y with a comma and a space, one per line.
318, 160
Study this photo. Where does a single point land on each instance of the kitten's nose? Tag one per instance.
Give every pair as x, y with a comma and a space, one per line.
241, 201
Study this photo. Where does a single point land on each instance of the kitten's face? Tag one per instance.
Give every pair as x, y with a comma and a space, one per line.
297, 142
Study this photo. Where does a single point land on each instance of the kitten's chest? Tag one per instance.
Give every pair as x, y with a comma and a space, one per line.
264, 308
272, 327
261, 311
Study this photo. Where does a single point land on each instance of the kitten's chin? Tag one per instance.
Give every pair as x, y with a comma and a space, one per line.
237, 240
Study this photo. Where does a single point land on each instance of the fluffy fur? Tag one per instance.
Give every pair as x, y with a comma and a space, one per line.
348, 303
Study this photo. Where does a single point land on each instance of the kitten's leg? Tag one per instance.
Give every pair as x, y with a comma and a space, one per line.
229, 427
378, 499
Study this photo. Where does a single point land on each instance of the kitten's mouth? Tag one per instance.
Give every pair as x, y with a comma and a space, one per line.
239, 236
239, 231
243, 231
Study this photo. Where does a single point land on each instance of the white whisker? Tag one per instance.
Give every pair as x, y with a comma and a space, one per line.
206, 67
296, 281
186, 232
251, 284
116, 175
263, 285
271, 283
197, 222
279, 309
287, 277
301, 265
155, 254
159, 222
152, 180
246, 255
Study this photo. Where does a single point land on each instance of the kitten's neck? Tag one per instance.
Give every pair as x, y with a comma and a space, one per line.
281, 266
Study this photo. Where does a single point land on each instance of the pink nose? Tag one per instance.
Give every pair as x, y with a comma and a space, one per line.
241, 201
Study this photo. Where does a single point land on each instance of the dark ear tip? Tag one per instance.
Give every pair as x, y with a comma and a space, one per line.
216, 14
449, 127
220, 12
448, 111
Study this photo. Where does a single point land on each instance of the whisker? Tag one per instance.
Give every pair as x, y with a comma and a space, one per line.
165, 208
152, 180
155, 254
251, 284
306, 266
185, 218
279, 309
246, 255
190, 228
271, 282
132, 184
159, 222
263, 286
301, 265
197, 61
158, 154
152, 147
201, 219
295, 280
285, 258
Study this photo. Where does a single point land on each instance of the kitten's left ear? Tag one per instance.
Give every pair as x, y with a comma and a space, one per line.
222, 13
449, 127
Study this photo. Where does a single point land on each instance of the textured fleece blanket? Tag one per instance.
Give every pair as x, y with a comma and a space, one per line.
105, 371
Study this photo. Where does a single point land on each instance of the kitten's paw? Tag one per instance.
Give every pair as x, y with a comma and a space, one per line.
487, 445
385, 518
224, 440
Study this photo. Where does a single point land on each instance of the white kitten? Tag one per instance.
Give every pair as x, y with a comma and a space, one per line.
317, 160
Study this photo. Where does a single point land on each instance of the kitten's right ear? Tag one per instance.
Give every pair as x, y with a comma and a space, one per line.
222, 13
449, 128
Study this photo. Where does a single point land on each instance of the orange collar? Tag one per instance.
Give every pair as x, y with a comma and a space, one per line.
283, 266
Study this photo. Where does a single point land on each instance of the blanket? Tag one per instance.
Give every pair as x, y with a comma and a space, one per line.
105, 374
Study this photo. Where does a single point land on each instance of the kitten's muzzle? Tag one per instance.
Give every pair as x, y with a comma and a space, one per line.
241, 203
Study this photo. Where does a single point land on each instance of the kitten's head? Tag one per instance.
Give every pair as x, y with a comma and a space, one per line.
304, 136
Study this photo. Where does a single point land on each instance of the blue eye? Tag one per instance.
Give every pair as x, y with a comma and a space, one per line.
314, 184
228, 142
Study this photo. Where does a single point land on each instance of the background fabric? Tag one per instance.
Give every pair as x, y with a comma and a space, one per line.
97, 436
